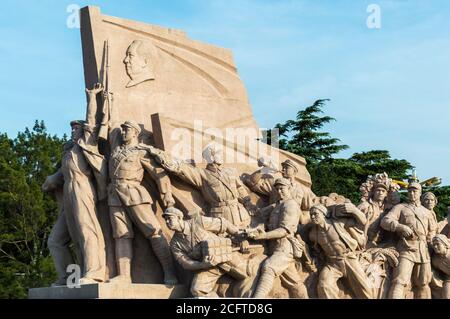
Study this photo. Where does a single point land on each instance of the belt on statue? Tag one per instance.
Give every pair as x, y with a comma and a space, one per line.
121, 181
230, 202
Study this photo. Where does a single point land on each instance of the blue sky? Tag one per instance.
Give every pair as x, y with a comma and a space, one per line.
389, 87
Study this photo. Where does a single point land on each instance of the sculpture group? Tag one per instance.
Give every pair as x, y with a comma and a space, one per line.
323, 247
254, 234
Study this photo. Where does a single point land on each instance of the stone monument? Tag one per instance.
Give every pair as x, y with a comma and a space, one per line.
166, 190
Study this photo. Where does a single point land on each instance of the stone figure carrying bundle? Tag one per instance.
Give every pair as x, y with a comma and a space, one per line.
198, 245
339, 236
441, 262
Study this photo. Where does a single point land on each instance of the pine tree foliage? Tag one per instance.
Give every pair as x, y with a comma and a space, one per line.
303, 136
26, 213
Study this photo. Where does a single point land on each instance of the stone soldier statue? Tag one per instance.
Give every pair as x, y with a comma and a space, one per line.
83, 176
415, 226
187, 249
284, 246
260, 183
429, 201
130, 203
376, 206
221, 187
338, 236
365, 189
441, 262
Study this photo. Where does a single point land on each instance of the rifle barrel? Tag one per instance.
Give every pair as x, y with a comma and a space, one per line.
107, 84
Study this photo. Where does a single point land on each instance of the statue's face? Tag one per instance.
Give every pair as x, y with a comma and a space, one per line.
287, 171
429, 202
364, 193
261, 162
213, 155
394, 198
380, 194
439, 247
134, 62
283, 191
317, 218
414, 195
77, 132
128, 134
174, 223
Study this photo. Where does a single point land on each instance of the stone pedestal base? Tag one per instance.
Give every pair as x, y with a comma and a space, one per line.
110, 291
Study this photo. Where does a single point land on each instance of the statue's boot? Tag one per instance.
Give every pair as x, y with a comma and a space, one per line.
62, 258
397, 291
265, 284
124, 254
446, 290
299, 291
162, 252
211, 295
422, 292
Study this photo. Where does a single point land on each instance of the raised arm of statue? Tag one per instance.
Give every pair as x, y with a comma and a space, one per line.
186, 172
91, 127
164, 159
348, 209
92, 106
260, 183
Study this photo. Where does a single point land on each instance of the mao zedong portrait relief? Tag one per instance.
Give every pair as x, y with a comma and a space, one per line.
138, 62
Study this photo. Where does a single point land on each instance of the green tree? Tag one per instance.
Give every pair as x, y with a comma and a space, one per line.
26, 214
380, 161
344, 176
302, 136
